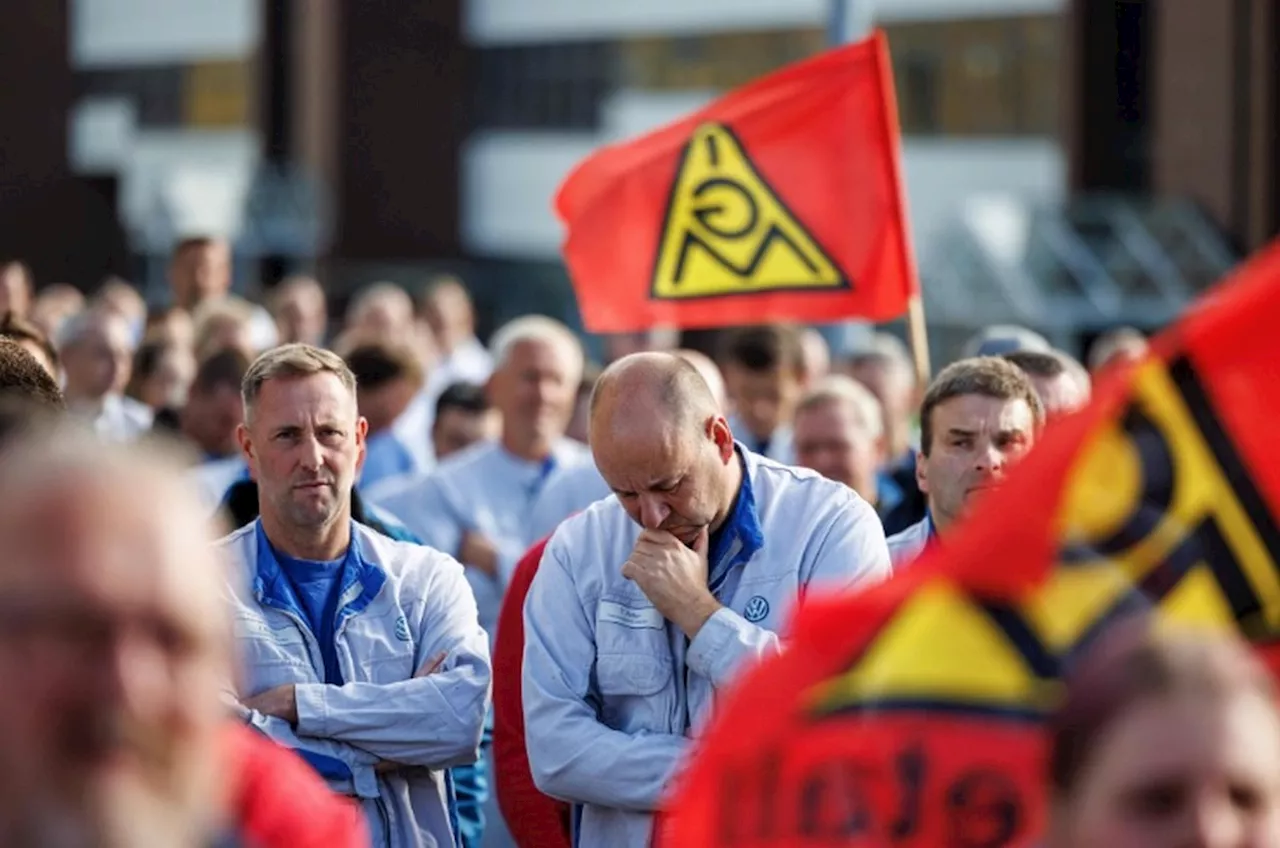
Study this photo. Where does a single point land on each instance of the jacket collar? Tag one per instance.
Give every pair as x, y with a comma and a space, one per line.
740, 536
361, 578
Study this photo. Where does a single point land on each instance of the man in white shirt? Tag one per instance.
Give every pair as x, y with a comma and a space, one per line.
446, 308
839, 432
477, 504
362, 653
96, 348
647, 603
979, 417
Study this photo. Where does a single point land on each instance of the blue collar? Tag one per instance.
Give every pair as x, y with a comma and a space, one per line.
740, 536
361, 580
931, 530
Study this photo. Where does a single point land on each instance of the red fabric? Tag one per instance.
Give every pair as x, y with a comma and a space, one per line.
533, 819
821, 140
911, 714
280, 802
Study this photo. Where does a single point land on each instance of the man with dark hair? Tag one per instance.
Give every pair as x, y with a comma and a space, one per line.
22, 375
764, 371
463, 417
1062, 383
214, 408
26, 333
979, 417
389, 377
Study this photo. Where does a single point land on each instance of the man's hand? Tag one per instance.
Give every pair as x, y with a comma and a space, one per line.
673, 577
476, 551
281, 702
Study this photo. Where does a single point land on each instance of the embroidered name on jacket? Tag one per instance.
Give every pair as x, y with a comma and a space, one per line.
637, 618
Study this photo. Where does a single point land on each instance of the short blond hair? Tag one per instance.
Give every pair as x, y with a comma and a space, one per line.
837, 388
288, 362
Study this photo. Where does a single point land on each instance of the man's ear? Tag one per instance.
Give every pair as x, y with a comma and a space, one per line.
362, 449
718, 429
246, 450
922, 473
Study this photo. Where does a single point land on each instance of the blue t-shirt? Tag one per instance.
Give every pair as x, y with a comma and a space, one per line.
317, 586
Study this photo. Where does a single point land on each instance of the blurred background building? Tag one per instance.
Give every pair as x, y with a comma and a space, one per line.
1070, 164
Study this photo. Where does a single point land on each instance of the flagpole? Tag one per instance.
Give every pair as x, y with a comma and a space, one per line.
847, 20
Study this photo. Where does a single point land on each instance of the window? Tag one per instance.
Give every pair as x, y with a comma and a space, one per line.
990, 77
542, 86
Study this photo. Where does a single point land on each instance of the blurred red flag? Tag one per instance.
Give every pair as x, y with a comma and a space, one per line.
782, 200
911, 714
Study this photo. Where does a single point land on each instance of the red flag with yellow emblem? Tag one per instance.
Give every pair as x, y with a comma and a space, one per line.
912, 714
783, 200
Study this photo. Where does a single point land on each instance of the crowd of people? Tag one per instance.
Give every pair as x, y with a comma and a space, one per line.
470, 594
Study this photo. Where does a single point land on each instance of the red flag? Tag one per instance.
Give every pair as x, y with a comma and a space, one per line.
911, 715
782, 200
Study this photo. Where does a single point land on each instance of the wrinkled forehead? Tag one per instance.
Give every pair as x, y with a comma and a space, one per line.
983, 413
634, 454
297, 400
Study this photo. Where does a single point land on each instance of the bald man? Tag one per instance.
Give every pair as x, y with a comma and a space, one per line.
578, 488
648, 602
112, 621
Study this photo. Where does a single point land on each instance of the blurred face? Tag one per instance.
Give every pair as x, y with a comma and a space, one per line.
383, 405
305, 443
301, 315
115, 655
168, 386
535, 390
386, 315
448, 314
1060, 395
174, 327
455, 429
15, 289
227, 332
1182, 772
832, 440
55, 305
210, 419
764, 400
100, 361
200, 272
667, 479
895, 389
975, 440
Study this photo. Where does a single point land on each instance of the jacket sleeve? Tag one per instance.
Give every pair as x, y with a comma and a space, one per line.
346, 769
573, 755
852, 552
433, 721
532, 818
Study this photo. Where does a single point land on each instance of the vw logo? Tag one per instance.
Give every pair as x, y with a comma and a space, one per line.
757, 609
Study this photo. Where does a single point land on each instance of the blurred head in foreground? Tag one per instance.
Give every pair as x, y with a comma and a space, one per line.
115, 646
1169, 739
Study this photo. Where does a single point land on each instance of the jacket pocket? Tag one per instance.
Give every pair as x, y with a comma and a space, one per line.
635, 677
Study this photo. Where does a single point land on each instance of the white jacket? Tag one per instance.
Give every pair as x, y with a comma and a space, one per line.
573, 491
612, 691
485, 489
408, 604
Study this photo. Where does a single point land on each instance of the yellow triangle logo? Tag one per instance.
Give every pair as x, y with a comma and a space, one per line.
939, 648
727, 231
